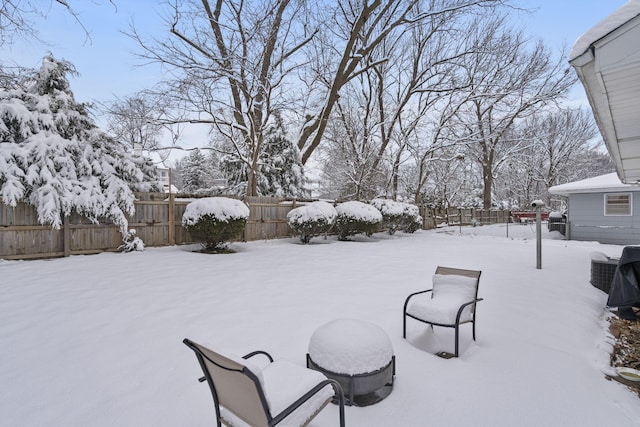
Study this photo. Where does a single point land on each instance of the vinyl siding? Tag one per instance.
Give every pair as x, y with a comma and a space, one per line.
588, 222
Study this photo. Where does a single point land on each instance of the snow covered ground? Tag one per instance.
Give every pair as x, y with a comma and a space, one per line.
96, 340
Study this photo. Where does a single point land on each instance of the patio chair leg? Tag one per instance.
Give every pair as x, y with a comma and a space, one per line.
340, 394
457, 335
404, 326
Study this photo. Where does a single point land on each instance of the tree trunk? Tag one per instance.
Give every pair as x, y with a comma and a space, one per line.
487, 181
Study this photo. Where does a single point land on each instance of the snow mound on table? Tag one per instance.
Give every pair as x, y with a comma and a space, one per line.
349, 346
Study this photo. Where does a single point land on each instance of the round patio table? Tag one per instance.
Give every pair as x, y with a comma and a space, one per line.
358, 355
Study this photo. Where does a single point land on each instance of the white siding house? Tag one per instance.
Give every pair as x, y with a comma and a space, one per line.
164, 179
602, 209
607, 61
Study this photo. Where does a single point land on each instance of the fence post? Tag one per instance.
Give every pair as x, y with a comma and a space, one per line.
172, 213
66, 235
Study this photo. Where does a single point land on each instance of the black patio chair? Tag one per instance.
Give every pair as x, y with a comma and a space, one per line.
450, 303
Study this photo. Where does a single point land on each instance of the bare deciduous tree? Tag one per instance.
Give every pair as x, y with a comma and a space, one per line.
561, 149
562, 137
508, 80
236, 63
357, 29
232, 59
17, 18
143, 121
393, 102
352, 145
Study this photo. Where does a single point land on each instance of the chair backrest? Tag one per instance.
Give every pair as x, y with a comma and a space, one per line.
233, 385
475, 274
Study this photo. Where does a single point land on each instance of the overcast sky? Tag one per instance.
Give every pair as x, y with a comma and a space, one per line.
107, 65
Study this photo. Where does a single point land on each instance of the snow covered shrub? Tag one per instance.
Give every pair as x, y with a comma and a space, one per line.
214, 221
356, 217
312, 219
398, 215
131, 242
392, 213
411, 219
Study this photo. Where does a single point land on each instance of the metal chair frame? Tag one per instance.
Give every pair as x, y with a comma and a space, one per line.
456, 325
271, 420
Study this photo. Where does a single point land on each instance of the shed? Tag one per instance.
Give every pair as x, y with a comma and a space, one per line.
602, 209
607, 61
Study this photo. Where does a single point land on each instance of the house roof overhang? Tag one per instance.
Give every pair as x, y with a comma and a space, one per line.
609, 183
607, 62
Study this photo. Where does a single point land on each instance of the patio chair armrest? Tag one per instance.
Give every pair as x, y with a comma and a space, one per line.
462, 307
338, 392
406, 302
257, 352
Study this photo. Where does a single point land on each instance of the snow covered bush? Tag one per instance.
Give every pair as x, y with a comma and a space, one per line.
356, 217
53, 156
214, 221
312, 219
131, 242
398, 215
412, 220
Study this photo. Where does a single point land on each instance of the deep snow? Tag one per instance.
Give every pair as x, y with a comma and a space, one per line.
96, 340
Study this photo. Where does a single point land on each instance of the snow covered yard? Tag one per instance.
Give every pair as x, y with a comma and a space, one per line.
96, 340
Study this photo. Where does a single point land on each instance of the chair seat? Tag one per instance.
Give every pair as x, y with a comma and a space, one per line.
441, 310
284, 382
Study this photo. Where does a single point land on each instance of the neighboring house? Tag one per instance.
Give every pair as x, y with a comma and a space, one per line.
602, 209
607, 61
164, 179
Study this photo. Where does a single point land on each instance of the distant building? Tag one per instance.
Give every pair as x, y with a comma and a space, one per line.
164, 180
601, 209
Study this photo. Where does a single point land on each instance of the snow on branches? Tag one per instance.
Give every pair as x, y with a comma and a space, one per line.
53, 156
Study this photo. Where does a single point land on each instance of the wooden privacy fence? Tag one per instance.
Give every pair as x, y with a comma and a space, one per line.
462, 216
158, 222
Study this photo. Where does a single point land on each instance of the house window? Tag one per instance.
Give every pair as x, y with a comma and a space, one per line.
617, 204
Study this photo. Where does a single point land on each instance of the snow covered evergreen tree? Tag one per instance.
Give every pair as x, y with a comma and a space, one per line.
280, 171
194, 172
53, 156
